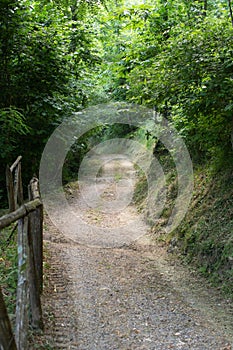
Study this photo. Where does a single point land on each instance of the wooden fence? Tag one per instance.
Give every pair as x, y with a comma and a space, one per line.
29, 216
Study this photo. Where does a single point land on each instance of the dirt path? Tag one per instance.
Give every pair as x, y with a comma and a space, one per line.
106, 291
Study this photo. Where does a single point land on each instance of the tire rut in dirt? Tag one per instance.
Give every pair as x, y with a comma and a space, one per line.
60, 331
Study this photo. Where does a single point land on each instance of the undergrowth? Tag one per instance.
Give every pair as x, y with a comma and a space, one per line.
205, 237
9, 268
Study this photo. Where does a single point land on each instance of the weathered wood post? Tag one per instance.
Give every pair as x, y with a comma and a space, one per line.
36, 224
10, 189
20, 185
35, 240
21, 331
14, 184
7, 341
30, 259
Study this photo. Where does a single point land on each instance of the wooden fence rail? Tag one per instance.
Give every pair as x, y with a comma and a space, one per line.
30, 260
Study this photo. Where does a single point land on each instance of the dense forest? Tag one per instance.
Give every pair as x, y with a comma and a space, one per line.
60, 57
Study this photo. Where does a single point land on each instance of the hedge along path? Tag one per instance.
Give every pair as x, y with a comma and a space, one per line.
131, 297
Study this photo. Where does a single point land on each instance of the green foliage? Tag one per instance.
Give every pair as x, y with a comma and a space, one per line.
56, 58
176, 56
13, 125
47, 59
197, 80
8, 268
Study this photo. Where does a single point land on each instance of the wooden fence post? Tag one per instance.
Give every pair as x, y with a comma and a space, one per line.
21, 332
14, 184
34, 288
20, 186
10, 189
7, 341
36, 225
35, 239
30, 259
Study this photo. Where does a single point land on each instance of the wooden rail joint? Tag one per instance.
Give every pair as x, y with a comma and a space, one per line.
19, 213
